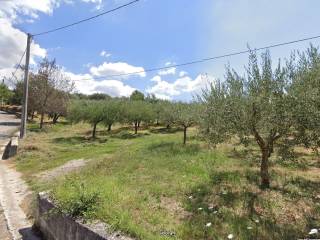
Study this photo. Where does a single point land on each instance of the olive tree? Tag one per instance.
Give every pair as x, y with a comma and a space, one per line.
166, 113
5, 93
137, 96
256, 105
305, 89
185, 115
91, 112
112, 112
137, 112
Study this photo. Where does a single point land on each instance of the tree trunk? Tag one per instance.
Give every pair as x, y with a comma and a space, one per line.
264, 169
32, 115
55, 118
168, 126
136, 127
139, 123
184, 135
41, 120
94, 130
109, 127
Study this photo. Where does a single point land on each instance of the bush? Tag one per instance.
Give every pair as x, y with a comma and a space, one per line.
79, 202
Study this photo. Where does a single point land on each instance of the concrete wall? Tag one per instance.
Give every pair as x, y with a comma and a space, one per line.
11, 148
56, 226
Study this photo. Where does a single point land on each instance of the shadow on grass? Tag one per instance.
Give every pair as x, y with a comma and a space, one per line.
298, 187
165, 130
231, 205
172, 148
77, 140
128, 135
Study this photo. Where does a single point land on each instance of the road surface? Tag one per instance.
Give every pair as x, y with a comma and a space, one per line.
8, 125
14, 225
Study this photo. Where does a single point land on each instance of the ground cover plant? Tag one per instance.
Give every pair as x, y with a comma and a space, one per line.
241, 162
151, 186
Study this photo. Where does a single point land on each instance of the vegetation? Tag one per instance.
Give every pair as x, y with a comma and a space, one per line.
262, 105
185, 115
242, 132
5, 94
183, 191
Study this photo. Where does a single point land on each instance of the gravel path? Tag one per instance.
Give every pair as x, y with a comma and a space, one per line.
13, 190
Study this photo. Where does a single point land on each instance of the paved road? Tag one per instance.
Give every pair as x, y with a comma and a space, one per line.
8, 125
13, 190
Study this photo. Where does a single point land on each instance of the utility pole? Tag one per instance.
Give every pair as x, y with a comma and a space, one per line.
24, 117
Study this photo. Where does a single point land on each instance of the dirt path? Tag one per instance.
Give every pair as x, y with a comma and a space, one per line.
71, 166
13, 190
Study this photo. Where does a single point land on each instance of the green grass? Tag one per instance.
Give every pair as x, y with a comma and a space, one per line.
150, 186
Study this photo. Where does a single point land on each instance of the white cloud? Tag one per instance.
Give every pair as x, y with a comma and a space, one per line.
167, 71
98, 3
156, 79
6, 74
85, 83
182, 85
182, 73
13, 9
162, 96
105, 54
13, 43
118, 68
163, 88
12, 40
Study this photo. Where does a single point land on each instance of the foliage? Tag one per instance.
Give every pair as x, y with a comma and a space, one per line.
136, 112
151, 180
49, 91
305, 90
165, 109
185, 115
5, 93
78, 202
256, 105
91, 112
112, 112
98, 96
137, 96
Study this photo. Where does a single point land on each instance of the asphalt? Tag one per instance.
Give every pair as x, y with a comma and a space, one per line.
14, 224
8, 125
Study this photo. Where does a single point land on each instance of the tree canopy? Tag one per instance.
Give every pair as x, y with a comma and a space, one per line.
255, 105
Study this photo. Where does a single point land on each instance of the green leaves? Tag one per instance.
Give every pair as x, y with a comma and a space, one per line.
5, 93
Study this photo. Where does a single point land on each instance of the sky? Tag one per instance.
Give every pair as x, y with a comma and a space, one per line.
151, 34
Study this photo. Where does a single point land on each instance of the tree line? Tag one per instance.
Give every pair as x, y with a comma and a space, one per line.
135, 112
276, 105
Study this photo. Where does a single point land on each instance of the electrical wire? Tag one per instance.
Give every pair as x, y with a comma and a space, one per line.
86, 19
201, 60
17, 67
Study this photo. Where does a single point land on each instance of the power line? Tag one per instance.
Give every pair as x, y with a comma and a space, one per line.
17, 67
86, 19
201, 60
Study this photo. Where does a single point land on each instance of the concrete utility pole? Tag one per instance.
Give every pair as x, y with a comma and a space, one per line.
24, 116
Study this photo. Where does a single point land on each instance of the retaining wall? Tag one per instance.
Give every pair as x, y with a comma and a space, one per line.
11, 148
57, 226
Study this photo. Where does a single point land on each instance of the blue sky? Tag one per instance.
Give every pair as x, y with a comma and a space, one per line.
155, 33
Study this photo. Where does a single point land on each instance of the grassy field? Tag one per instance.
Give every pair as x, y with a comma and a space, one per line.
152, 187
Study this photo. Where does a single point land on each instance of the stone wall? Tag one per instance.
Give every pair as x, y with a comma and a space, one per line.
57, 226
11, 148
